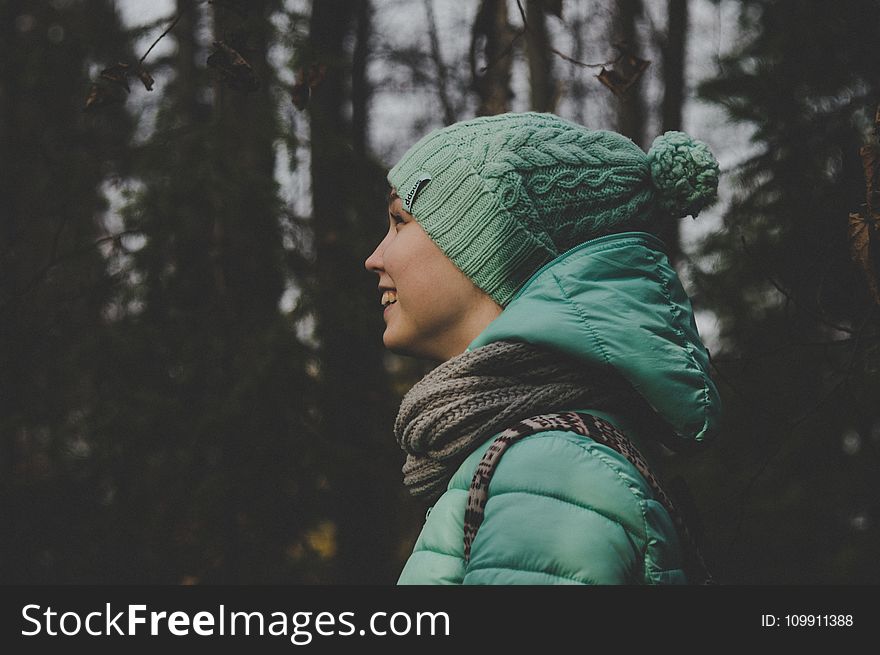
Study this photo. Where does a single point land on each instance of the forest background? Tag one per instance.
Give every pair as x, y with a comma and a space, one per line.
193, 383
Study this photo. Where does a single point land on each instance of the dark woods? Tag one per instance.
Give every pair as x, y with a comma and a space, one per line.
192, 377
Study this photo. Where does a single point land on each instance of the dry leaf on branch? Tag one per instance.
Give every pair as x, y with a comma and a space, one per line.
112, 86
103, 95
620, 82
117, 74
864, 237
146, 78
306, 80
234, 69
864, 227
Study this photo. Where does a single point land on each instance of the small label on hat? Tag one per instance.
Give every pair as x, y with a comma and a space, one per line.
422, 179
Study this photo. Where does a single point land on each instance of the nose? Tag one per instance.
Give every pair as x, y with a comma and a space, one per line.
374, 261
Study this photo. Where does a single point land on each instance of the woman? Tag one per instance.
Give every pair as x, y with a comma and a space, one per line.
519, 254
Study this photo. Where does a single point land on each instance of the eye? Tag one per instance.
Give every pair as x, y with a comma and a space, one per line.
397, 219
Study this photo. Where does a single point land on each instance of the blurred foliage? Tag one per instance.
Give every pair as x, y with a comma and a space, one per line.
205, 395
162, 425
53, 281
790, 493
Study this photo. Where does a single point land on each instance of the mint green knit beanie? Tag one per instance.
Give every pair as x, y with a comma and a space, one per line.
503, 195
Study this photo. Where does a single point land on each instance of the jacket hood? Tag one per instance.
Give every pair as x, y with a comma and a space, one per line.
617, 301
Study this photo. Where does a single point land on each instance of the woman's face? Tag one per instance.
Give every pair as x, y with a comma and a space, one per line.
431, 308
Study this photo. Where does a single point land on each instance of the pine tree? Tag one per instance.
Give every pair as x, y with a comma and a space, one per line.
206, 402
790, 495
349, 198
54, 283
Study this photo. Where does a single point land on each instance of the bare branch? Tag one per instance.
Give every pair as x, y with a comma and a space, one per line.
56, 259
572, 60
785, 427
161, 36
764, 354
788, 296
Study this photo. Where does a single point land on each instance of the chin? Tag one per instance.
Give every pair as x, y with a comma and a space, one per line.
408, 349
394, 345
400, 349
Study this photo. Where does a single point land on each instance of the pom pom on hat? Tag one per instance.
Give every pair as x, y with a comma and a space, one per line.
684, 172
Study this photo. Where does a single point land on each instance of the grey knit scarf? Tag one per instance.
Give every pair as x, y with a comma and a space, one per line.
470, 397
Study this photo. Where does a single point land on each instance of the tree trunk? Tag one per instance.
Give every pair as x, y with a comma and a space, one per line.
492, 31
356, 414
631, 105
188, 79
360, 86
673, 64
442, 79
673, 96
542, 86
55, 285
577, 89
243, 236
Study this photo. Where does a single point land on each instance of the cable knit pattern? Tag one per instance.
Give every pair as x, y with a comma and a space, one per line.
460, 403
509, 193
684, 172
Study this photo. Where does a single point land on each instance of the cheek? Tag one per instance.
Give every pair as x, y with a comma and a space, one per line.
419, 269
426, 280
405, 259
441, 293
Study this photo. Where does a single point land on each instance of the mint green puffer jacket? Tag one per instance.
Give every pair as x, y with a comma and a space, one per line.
563, 509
